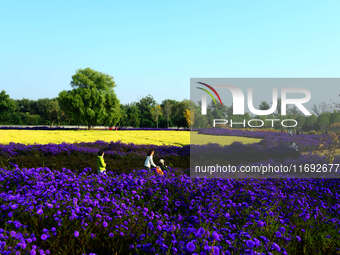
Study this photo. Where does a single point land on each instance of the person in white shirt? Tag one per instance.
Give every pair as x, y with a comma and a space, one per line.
149, 160
294, 146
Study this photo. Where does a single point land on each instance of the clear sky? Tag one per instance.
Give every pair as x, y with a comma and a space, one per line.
155, 47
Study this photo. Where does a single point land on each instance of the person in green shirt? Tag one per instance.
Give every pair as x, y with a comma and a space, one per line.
101, 166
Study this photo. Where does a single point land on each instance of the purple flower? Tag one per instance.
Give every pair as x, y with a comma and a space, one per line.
191, 247
150, 225
22, 245
200, 232
282, 229
13, 233
215, 250
298, 238
105, 224
40, 211
278, 234
206, 247
215, 236
250, 243
276, 247
257, 242
14, 206
261, 223
76, 234
44, 237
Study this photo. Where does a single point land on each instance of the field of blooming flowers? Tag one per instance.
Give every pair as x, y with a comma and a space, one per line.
47, 211
146, 136
118, 156
306, 142
153, 137
53, 202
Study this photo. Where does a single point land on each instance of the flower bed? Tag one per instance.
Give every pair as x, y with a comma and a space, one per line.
118, 156
53, 212
306, 142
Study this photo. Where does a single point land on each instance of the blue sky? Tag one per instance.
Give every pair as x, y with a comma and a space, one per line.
155, 47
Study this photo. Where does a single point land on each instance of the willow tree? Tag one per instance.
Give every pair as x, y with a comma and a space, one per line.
92, 100
156, 112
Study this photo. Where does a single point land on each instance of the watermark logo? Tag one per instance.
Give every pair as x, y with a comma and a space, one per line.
238, 99
209, 93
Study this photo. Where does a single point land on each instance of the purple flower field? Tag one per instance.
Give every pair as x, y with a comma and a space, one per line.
306, 142
60, 212
47, 210
116, 148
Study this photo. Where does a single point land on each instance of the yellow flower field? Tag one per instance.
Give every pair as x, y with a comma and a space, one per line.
178, 138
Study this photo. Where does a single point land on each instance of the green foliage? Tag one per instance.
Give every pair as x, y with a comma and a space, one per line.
6, 103
323, 121
130, 115
335, 117
92, 100
167, 109
156, 112
145, 105
310, 123
7, 107
48, 110
178, 114
301, 122
264, 106
88, 78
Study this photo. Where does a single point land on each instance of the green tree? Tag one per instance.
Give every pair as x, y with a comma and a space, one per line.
264, 105
301, 122
310, 123
6, 104
178, 116
7, 108
92, 101
167, 106
26, 106
335, 117
323, 121
145, 105
49, 110
131, 115
156, 112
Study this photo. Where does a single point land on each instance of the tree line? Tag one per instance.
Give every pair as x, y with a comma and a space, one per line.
91, 101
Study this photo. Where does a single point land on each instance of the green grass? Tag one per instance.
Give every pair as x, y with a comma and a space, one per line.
202, 139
